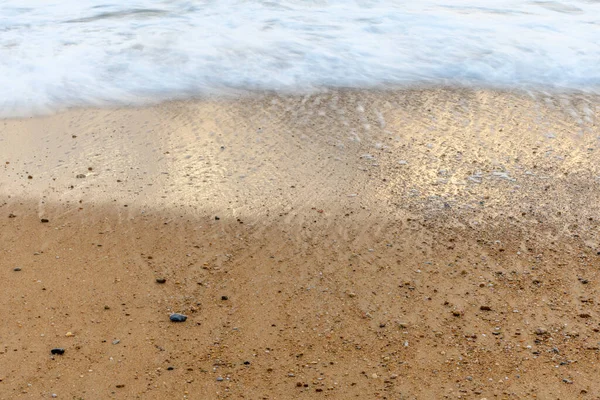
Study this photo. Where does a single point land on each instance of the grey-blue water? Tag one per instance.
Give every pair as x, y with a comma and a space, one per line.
55, 54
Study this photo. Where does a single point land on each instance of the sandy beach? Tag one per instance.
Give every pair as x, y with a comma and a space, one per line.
412, 244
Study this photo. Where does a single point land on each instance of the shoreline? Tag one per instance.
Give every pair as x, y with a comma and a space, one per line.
417, 244
233, 95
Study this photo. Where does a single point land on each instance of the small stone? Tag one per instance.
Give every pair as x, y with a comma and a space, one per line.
170, 368
57, 351
45, 220
217, 218
11, 215
568, 381
54, 395
178, 317
224, 298
116, 341
485, 308
106, 307
219, 379
374, 375
120, 385
246, 362
160, 280
541, 331
69, 334
585, 315
17, 269
80, 176
393, 376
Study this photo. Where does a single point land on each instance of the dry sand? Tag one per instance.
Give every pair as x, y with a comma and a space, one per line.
420, 244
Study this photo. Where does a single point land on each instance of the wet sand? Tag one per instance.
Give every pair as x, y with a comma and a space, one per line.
424, 244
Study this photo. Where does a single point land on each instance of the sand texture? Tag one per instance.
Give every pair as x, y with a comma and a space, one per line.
418, 244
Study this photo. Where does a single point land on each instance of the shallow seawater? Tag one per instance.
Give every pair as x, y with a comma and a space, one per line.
55, 54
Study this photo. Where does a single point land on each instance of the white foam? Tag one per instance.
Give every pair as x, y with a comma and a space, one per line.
55, 54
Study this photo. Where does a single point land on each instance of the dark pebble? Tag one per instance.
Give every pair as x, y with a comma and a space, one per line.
224, 298
160, 280
246, 362
17, 269
11, 215
178, 317
217, 218
485, 308
45, 220
58, 351
170, 368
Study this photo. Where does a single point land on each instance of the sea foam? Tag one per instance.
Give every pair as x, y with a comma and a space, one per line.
56, 54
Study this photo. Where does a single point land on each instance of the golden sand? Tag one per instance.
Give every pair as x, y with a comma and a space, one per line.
424, 244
